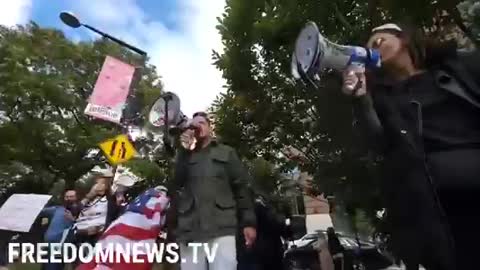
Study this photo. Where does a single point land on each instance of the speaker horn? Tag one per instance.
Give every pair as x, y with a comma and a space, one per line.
157, 116
314, 53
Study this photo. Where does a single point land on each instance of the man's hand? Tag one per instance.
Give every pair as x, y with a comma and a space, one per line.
93, 192
354, 82
187, 139
91, 230
94, 230
250, 235
68, 215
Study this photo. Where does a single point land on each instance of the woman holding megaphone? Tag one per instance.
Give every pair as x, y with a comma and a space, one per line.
421, 110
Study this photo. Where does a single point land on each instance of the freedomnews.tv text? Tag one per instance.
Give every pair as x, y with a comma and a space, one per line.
109, 253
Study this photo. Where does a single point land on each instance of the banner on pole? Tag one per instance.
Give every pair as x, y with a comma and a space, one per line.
111, 90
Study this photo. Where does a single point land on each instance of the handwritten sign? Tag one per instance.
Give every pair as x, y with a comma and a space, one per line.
318, 222
19, 212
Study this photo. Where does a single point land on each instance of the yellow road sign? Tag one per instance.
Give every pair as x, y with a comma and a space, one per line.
118, 150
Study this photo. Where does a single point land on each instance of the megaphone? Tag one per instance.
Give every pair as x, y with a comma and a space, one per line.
314, 53
169, 102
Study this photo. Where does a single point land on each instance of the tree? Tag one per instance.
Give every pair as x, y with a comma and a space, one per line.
46, 80
264, 176
470, 10
264, 109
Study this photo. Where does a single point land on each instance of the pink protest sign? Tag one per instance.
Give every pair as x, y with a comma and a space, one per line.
111, 90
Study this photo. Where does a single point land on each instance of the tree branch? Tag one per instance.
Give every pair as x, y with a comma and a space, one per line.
43, 115
9, 114
342, 18
78, 121
75, 116
373, 14
455, 15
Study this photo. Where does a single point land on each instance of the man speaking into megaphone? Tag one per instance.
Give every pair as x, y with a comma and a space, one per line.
421, 111
213, 200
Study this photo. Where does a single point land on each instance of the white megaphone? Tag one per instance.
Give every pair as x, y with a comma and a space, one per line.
168, 102
314, 53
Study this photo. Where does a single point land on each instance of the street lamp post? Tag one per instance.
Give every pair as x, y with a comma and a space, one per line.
71, 20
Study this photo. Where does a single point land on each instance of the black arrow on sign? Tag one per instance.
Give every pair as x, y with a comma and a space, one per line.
114, 146
123, 151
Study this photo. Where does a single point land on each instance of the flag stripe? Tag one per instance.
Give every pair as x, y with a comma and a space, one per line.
132, 233
137, 220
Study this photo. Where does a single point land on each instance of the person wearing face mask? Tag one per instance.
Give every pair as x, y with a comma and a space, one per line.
213, 199
61, 219
421, 111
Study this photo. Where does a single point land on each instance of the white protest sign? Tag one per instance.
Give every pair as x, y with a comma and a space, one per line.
19, 212
317, 222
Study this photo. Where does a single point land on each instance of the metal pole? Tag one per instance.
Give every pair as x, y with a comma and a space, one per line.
116, 40
166, 138
166, 135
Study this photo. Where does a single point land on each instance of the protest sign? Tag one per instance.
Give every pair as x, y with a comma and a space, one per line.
19, 212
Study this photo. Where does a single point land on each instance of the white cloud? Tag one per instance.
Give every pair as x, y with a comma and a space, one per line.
183, 58
15, 12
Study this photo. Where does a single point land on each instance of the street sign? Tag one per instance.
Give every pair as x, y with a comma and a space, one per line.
118, 150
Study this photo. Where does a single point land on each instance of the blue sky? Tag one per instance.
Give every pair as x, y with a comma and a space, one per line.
178, 35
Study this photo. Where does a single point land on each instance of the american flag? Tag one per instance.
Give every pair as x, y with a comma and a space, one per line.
141, 223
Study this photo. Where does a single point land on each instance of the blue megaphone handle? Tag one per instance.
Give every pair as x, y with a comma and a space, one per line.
366, 57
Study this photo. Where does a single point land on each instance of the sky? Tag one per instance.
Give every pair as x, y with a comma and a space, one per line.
178, 35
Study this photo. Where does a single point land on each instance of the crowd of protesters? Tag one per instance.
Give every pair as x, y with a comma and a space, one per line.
77, 221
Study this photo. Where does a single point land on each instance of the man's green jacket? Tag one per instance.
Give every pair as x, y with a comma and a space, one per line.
212, 198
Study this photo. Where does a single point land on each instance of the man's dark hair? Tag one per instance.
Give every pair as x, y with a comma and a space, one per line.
202, 114
69, 189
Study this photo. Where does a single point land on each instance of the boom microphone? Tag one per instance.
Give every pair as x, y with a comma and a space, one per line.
314, 53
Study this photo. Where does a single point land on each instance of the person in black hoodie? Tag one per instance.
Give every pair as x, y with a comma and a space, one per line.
335, 248
267, 252
421, 112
